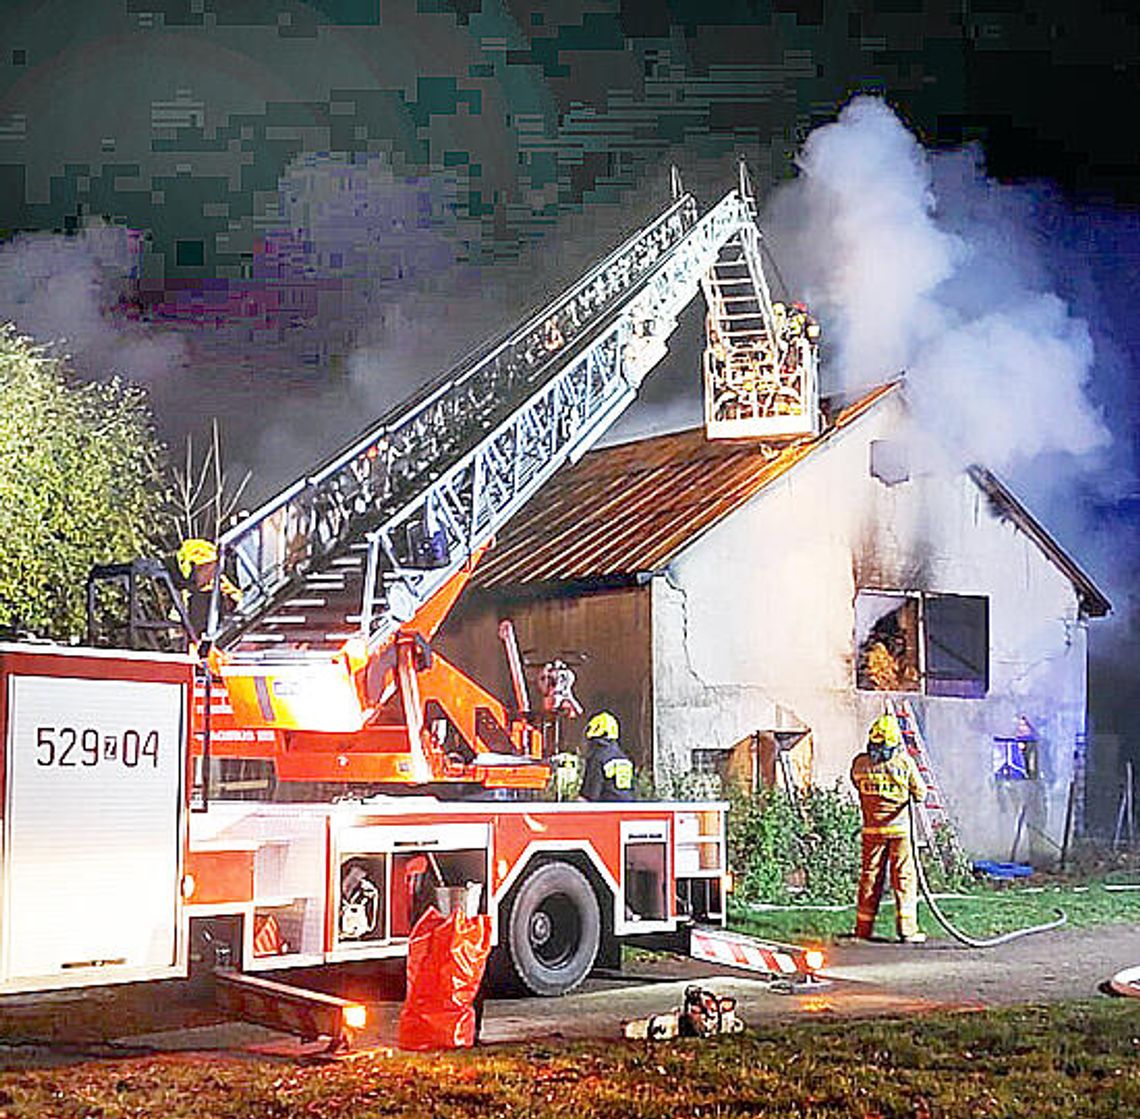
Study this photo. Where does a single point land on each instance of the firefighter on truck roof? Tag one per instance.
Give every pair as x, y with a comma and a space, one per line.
609, 772
198, 565
886, 778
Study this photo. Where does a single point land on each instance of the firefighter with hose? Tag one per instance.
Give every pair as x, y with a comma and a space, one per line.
886, 779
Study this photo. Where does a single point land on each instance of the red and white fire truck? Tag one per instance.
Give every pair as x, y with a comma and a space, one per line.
398, 781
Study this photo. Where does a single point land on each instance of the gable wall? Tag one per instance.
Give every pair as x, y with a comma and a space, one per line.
604, 637
753, 627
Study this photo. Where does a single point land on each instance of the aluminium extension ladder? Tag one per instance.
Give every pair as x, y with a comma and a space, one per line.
938, 832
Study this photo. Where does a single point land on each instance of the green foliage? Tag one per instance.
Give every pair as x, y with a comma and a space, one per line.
80, 483
947, 866
831, 844
804, 848
670, 783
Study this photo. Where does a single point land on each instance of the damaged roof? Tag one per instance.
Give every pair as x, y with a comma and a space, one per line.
631, 508
627, 510
1093, 603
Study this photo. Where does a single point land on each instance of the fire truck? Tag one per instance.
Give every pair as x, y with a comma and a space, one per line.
397, 780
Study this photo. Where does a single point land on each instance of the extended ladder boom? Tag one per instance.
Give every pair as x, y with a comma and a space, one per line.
375, 541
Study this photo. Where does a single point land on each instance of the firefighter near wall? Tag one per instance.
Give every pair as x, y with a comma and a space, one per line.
891, 790
608, 770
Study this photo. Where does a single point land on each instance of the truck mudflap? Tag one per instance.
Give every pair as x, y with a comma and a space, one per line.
790, 962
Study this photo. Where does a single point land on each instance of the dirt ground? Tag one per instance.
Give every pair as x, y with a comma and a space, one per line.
878, 979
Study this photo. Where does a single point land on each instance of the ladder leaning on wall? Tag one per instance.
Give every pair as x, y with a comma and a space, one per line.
939, 836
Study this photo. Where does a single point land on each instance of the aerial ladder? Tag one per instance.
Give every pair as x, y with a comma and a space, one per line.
326, 662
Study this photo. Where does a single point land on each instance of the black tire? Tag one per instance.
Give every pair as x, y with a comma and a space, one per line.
554, 928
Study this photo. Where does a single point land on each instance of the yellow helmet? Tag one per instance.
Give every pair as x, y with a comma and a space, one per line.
193, 552
885, 731
602, 725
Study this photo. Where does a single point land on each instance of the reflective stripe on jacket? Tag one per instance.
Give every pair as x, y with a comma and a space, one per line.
609, 773
884, 788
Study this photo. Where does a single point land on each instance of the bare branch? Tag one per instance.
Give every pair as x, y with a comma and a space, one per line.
204, 498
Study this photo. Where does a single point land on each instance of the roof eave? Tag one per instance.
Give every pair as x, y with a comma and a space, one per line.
1093, 602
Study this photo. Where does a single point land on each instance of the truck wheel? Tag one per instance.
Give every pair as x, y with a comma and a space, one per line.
553, 929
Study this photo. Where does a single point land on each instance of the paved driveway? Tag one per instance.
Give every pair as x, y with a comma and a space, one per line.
862, 980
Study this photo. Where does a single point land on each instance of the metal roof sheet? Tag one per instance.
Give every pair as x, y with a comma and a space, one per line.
630, 508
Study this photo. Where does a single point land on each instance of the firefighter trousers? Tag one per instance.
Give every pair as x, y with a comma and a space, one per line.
883, 854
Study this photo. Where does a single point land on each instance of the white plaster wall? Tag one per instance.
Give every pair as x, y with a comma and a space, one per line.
759, 613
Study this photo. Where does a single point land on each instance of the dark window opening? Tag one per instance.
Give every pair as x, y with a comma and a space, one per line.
957, 634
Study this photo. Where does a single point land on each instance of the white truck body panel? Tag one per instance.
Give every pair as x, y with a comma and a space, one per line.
94, 828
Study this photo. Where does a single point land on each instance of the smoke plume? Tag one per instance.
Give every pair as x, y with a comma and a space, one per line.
917, 262
72, 292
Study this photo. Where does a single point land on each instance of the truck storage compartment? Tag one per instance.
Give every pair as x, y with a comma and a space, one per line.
389, 875
645, 870
94, 816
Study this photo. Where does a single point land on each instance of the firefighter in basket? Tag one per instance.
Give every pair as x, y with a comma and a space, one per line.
608, 771
886, 778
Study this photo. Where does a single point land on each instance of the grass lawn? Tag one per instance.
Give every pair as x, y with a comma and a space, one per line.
984, 911
1069, 1060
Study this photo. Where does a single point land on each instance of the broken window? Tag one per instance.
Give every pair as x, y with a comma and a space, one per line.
710, 762
934, 643
886, 627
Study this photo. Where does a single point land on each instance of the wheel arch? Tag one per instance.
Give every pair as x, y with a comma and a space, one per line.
582, 857
505, 966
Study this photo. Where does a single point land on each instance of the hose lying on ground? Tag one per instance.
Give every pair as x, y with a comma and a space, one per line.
1112, 887
957, 934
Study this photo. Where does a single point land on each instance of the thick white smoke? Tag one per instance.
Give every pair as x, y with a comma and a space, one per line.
916, 262
64, 291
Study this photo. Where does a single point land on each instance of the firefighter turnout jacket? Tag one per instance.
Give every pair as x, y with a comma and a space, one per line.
609, 773
884, 788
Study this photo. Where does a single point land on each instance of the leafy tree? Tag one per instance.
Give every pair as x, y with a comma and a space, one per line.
81, 483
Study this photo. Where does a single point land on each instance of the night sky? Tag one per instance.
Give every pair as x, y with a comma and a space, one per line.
289, 215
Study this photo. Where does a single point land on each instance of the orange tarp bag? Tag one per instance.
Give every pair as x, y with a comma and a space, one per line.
446, 960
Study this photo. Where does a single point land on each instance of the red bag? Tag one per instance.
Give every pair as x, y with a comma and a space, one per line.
446, 959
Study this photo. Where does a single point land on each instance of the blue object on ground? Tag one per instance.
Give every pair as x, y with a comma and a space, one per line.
1002, 870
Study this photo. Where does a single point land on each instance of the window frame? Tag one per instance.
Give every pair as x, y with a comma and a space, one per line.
969, 688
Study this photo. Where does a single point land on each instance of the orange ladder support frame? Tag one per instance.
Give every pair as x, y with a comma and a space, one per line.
376, 700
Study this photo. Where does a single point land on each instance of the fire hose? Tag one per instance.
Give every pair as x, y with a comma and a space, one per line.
956, 933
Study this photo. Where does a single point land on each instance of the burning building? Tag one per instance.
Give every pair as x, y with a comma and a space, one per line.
736, 600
